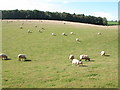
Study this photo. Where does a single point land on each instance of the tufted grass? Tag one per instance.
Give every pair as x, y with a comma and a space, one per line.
48, 65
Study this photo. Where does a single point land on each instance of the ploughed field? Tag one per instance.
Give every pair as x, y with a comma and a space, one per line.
47, 64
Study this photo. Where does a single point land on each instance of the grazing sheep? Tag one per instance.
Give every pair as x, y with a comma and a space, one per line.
77, 39
3, 56
63, 34
75, 61
21, 57
71, 33
29, 31
71, 57
99, 33
86, 57
53, 34
102, 53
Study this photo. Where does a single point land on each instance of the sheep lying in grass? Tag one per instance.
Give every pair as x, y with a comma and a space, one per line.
53, 34
75, 61
86, 57
3, 56
71, 57
102, 53
21, 57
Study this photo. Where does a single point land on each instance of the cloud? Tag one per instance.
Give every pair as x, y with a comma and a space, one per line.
109, 16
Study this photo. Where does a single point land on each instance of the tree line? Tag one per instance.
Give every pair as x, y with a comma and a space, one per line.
36, 14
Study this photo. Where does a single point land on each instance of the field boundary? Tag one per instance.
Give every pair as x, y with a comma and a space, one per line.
58, 21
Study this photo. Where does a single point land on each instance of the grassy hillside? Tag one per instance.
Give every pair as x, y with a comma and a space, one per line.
48, 65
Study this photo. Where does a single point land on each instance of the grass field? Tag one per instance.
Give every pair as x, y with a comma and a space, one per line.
48, 65
112, 23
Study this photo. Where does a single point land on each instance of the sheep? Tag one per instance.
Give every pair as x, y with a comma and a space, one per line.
3, 56
29, 31
43, 28
75, 61
71, 33
102, 53
86, 57
77, 39
36, 26
21, 57
99, 33
40, 31
21, 27
63, 34
71, 57
53, 34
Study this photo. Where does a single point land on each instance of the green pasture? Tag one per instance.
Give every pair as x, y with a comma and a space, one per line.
47, 64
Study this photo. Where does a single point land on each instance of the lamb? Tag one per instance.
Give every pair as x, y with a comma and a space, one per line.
86, 57
102, 53
21, 57
3, 56
75, 61
71, 57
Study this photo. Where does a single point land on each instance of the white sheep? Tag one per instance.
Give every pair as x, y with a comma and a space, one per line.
71, 57
29, 31
102, 53
75, 61
86, 57
77, 39
3, 56
99, 33
53, 34
21, 57
63, 34
71, 33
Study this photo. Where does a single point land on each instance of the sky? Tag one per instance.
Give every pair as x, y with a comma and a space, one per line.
102, 8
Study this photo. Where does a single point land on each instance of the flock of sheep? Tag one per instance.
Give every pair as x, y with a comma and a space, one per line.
85, 57
22, 57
